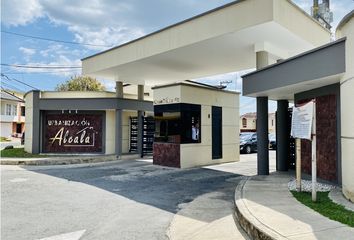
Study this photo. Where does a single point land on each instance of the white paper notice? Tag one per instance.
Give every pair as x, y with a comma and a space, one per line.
301, 122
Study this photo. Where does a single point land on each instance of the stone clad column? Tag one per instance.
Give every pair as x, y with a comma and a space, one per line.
119, 119
140, 120
282, 135
262, 123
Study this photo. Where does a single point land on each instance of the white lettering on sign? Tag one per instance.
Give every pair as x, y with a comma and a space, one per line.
302, 120
68, 123
80, 138
167, 100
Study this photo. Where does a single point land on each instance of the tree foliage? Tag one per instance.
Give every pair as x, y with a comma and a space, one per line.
81, 83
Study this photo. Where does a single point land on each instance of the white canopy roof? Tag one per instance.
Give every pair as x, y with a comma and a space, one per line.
219, 41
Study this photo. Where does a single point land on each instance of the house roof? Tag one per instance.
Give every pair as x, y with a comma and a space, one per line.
8, 96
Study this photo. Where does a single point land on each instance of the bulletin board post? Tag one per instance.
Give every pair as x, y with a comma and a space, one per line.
303, 126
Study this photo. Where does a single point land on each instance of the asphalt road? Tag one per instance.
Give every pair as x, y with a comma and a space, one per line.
116, 200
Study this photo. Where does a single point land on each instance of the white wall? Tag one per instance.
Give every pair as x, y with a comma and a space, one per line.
347, 112
6, 129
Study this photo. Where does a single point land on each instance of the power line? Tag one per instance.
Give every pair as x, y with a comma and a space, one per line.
39, 66
14, 79
53, 40
11, 86
41, 72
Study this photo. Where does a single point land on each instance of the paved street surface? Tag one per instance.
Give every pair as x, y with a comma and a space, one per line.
119, 200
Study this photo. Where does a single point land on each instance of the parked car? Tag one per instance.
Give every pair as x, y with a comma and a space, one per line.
272, 141
248, 142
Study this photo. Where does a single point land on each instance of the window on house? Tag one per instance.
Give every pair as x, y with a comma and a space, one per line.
14, 110
244, 122
23, 111
272, 122
8, 109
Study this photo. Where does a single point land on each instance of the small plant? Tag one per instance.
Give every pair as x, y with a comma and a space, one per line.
18, 153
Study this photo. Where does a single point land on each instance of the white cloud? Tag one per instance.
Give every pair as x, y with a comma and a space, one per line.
94, 22
105, 37
60, 60
27, 51
20, 12
109, 85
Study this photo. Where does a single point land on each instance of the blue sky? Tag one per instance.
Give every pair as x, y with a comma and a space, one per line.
104, 23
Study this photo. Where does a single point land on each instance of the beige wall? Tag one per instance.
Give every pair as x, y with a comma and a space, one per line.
347, 113
29, 122
110, 132
200, 154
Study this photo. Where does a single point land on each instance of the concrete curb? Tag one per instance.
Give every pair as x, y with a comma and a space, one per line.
337, 197
65, 160
251, 225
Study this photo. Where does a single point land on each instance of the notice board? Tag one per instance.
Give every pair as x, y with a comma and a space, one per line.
73, 133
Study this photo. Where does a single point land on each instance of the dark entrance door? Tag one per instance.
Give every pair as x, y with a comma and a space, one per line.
216, 132
18, 128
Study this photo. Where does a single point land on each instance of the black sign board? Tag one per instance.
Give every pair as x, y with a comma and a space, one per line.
73, 133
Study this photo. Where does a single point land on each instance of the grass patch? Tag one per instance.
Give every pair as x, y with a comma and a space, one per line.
4, 139
18, 153
326, 207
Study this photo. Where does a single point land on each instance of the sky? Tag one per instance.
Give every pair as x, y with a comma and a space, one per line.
97, 25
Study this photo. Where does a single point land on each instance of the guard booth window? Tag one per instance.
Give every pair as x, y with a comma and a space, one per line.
177, 123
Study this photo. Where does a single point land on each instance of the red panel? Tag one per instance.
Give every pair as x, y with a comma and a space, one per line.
326, 132
167, 154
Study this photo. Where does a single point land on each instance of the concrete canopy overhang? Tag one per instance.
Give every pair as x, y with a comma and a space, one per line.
219, 41
316, 68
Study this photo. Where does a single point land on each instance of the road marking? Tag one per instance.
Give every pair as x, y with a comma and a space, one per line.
19, 180
67, 236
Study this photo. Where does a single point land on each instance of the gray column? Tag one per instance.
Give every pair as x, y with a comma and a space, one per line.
262, 136
282, 135
36, 123
119, 89
140, 120
262, 60
119, 120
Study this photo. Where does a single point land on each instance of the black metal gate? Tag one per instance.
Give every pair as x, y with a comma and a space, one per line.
148, 135
148, 132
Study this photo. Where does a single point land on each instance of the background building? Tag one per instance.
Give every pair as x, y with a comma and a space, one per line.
12, 123
248, 122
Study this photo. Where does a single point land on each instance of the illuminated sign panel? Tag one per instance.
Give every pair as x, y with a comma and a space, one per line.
73, 133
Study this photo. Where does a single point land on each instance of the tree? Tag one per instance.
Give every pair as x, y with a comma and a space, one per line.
81, 83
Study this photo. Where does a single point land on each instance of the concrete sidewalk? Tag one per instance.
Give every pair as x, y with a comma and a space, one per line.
63, 160
267, 210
